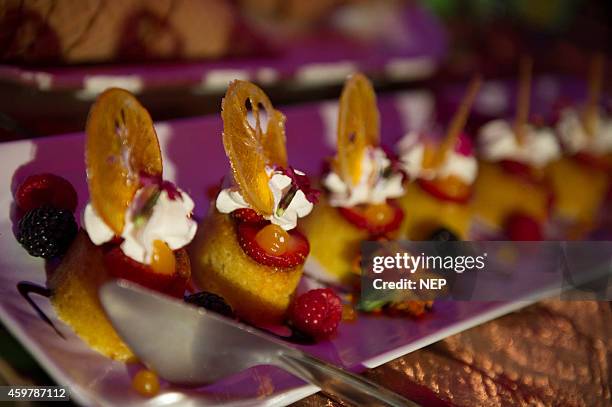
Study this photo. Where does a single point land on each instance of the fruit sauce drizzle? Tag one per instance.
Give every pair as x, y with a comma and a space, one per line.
26, 288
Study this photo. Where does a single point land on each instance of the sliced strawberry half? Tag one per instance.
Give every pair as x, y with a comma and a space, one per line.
515, 167
521, 170
441, 189
296, 253
596, 162
359, 217
119, 265
247, 215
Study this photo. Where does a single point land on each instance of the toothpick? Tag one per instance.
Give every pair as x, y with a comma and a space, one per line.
459, 119
594, 93
522, 102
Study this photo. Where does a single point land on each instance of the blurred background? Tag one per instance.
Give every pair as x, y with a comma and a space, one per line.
178, 55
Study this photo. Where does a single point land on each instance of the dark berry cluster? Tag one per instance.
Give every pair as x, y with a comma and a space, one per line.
47, 231
211, 302
47, 227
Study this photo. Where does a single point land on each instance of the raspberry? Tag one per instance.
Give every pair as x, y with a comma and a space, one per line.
47, 232
211, 302
522, 227
317, 313
46, 189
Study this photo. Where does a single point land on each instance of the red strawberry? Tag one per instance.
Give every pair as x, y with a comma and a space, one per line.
522, 227
213, 190
596, 162
517, 168
317, 312
523, 171
296, 253
247, 215
46, 189
121, 266
358, 217
437, 189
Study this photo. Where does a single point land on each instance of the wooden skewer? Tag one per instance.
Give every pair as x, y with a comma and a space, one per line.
459, 119
522, 101
594, 93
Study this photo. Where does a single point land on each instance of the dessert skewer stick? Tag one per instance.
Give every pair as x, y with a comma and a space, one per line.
459, 119
594, 93
523, 98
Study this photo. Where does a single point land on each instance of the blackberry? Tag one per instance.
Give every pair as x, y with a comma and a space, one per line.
211, 302
47, 231
443, 235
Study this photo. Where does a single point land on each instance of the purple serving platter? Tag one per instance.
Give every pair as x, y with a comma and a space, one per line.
410, 48
195, 160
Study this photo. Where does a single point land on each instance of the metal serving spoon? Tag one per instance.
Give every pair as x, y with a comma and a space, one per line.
188, 345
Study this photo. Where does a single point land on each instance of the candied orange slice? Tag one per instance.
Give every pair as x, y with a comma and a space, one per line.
250, 148
121, 144
358, 126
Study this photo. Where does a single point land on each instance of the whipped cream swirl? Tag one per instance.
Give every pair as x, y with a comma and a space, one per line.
152, 215
281, 185
575, 138
459, 162
378, 182
497, 142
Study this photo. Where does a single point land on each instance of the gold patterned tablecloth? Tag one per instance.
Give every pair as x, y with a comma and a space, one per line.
554, 353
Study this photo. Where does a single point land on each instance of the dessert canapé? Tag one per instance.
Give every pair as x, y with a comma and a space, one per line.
444, 173
137, 224
357, 202
581, 178
511, 182
248, 250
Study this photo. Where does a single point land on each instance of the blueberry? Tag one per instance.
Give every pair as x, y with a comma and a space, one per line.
443, 235
211, 302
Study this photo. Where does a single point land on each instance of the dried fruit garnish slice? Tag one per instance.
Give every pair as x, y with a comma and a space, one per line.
121, 144
358, 126
250, 148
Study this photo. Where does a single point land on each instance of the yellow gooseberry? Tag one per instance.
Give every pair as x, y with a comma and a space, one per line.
273, 239
146, 383
348, 313
453, 186
163, 261
379, 214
